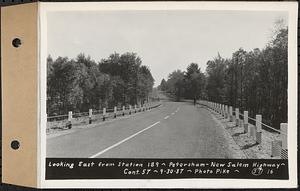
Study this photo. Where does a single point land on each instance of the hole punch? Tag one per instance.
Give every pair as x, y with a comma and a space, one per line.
16, 42
15, 144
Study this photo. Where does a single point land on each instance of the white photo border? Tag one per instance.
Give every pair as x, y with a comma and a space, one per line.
290, 7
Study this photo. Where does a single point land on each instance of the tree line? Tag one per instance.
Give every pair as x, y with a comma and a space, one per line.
255, 81
189, 84
82, 83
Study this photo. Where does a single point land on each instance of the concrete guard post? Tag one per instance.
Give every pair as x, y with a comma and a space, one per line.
252, 131
222, 112
245, 121
230, 114
226, 111
258, 128
237, 117
283, 136
90, 116
276, 148
130, 109
70, 116
221, 109
115, 112
104, 114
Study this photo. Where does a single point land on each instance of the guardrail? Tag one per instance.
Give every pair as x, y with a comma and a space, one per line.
68, 120
278, 147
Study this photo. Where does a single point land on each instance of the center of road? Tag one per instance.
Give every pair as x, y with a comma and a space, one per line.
130, 137
122, 141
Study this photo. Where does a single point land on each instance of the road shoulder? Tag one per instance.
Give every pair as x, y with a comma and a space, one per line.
232, 148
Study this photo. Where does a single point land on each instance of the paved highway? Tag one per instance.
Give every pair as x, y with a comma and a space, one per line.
173, 130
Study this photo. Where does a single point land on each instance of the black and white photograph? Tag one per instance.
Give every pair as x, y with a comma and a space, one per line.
168, 89
149, 94
167, 84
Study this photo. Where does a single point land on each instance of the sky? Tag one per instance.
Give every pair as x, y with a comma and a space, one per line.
164, 40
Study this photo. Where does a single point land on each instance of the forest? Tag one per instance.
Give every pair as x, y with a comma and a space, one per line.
82, 83
255, 81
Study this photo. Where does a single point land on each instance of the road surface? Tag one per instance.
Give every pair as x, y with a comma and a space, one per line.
173, 130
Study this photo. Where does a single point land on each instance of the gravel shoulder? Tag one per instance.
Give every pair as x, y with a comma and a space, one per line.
238, 140
232, 148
